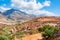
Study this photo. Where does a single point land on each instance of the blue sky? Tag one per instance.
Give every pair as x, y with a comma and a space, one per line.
53, 7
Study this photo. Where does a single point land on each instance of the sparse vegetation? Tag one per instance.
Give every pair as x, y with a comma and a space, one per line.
33, 31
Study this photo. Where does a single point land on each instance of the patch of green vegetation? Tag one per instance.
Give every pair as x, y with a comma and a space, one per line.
48, 31
2, 37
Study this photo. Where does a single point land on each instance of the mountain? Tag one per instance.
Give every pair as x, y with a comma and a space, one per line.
17, 15
8, 12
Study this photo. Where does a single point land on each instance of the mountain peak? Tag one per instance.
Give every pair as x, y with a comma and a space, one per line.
8, 12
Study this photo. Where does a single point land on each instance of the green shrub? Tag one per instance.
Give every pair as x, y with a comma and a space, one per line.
2, 37
48, 31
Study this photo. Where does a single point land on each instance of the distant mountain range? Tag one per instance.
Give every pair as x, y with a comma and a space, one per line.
16, 15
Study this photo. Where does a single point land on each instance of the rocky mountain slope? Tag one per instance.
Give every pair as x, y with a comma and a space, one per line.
4, 20
17, 15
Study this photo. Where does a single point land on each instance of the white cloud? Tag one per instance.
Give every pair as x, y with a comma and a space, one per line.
32, 7
2, 9
27, 5
47, 3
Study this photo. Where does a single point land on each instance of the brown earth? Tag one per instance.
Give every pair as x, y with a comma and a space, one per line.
37, 36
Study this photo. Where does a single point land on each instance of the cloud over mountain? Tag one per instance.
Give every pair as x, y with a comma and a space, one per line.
32, 7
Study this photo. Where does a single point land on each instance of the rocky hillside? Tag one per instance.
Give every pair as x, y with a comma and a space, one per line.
40, 21
34, 23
